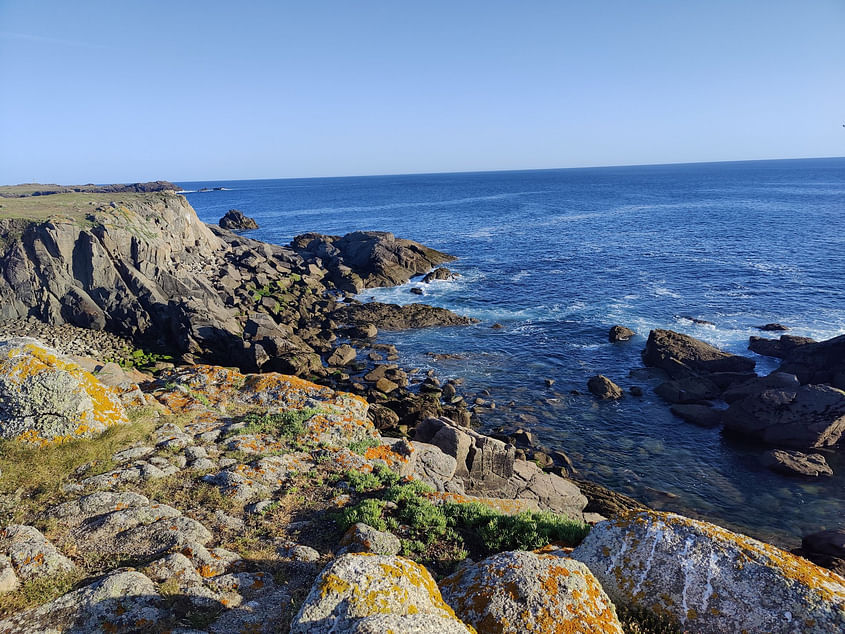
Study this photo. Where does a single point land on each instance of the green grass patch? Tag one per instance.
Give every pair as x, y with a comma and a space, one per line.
360, 447
37, 592
287, 424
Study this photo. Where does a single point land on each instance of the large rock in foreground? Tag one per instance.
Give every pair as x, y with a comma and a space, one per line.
710, 579
375, 593
516, 592
809, 416
680, 355
45, 397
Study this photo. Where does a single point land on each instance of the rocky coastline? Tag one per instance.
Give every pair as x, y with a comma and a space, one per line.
281, 459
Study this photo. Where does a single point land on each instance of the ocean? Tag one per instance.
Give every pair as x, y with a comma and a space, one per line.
559, 256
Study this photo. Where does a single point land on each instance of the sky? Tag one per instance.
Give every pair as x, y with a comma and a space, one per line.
182, 90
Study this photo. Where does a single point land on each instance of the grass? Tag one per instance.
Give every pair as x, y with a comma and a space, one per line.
287, 424
360, 447
76, 206
38, 591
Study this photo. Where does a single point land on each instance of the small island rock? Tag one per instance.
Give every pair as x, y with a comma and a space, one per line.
620, 333
237, 221
604, 388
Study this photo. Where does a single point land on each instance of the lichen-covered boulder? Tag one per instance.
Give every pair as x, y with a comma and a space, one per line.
30, 553
124, 601
710, 579
45, 397
356, 587
517, 592
362, 538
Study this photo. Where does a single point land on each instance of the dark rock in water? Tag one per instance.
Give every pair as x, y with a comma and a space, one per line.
620, 333
777, 347
680, 355
378, 258
604, 388
636, 390
417, 291
605, 501
772, 327
441, 273
825, 548
797, 463
696, 320
692, 389
235, 220
497, 326
817, 362
700, 415
725, 380
807, 417
774, 381
548, 382
395, 317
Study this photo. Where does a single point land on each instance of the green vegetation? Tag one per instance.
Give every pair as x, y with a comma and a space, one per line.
38, 591
141, 360
76, 206
361, 446
287, 424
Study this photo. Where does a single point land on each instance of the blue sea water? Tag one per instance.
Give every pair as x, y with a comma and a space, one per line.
559, 256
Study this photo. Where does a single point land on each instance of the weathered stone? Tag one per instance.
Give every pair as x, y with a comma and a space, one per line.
604, 388
263, 614
121, 603
777, 347
710, 579
356, 586
797, 463
689, 389
361, 538
31, 554
810, 416
817, 362
235, 220
431, 466
45, 397
516, 592
700, 415
342, 355
8, 579
395, 317
773, 381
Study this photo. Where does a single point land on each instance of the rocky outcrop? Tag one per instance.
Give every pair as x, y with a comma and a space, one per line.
439, 274
365, 259
777, 347
681, 355
235, 220
360, 593
516, 592
395, 317
710, 579
817, 362
806, 417
620, 333
47, 398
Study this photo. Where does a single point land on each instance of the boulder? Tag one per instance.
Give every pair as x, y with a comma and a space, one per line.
773, 381
30, 554
344, 354
810, 416
431, 465
357, 587
362, 538
710, 579
797, 463
45, 397
440, 273
395, 317
777, 347
604, 388
689, 389
122, 602
826, 548
680, 355
235, 220
516, 592
620, 333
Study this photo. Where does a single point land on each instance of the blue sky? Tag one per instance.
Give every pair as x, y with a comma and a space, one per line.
126, 91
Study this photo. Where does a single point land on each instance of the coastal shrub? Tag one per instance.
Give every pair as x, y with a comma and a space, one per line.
493, 531
360, 447
288, 424
361, 482
369, 512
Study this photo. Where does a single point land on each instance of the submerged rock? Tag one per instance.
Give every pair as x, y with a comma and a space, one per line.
710, 579
516, 592
45, 397
797, 463
604, 388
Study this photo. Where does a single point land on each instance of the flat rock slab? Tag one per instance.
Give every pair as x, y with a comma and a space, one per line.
797, 463
710, 579
516, 592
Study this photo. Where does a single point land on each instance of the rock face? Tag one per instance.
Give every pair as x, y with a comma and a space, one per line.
809, 416
680, 355
604, 388
777, 347
235, 220
797, 463
46, 397
516, 592
365, 259
710, 579
818, 362
375, 593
